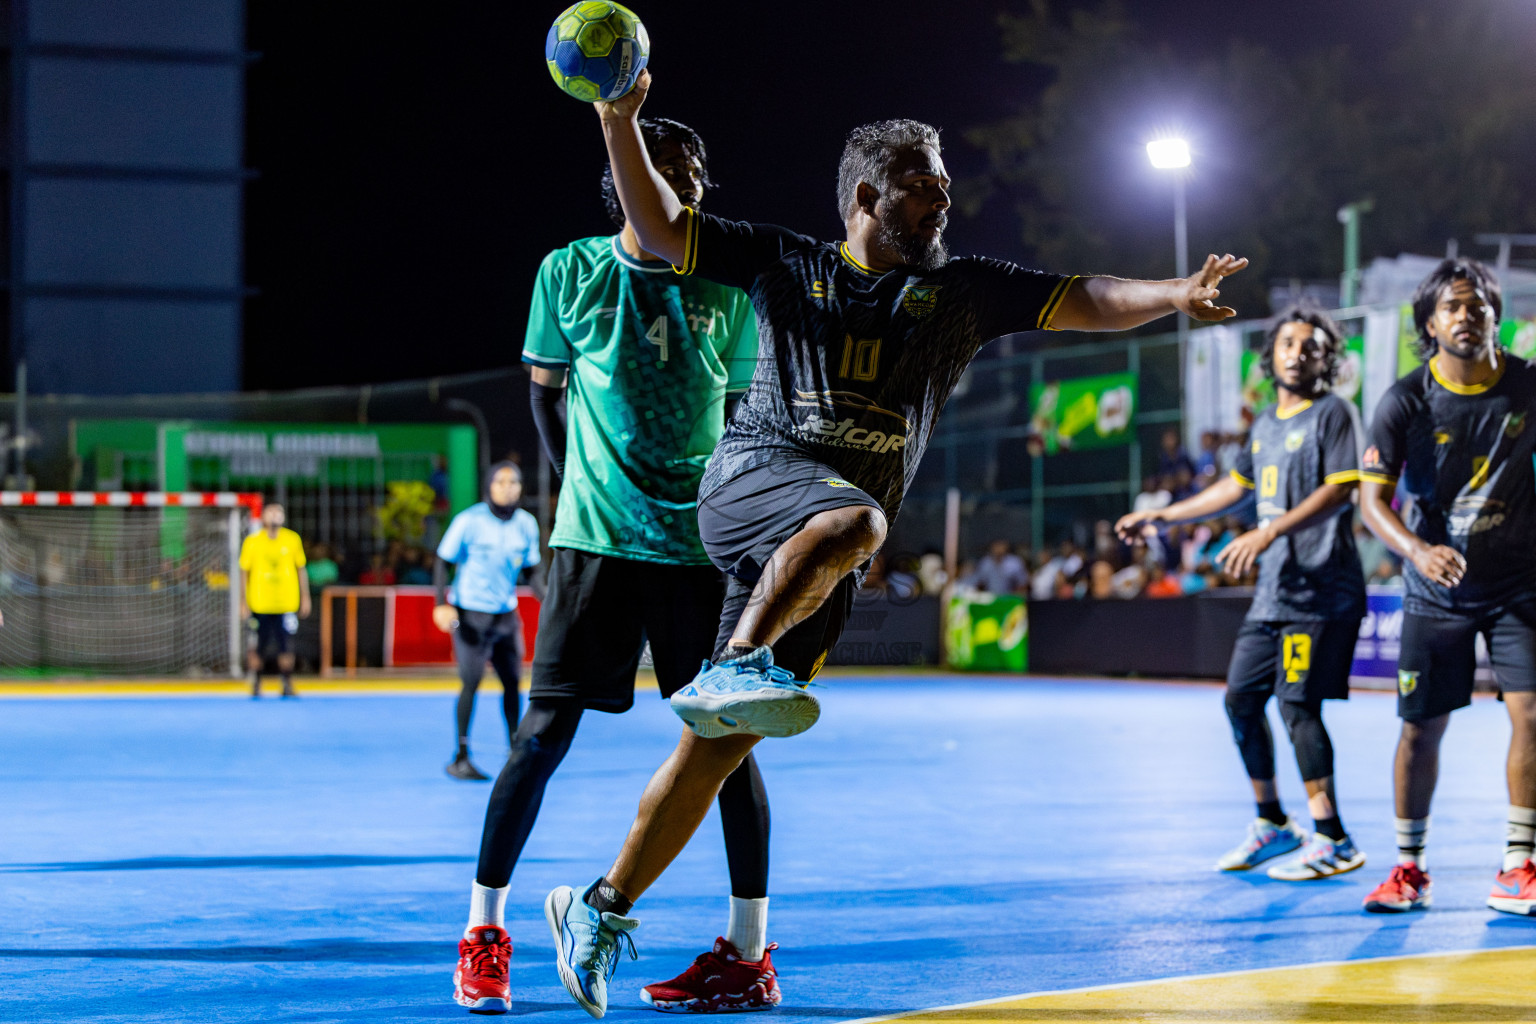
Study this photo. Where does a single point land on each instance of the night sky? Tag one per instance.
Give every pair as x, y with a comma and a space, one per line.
414, 170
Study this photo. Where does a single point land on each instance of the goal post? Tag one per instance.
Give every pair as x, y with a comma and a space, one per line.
136, 582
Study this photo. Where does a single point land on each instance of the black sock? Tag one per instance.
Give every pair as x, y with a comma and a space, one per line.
1270, 810
605, 899
1332, 827
463, 754
734, 650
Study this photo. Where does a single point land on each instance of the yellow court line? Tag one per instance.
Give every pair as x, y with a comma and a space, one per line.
1484, 985
239, 688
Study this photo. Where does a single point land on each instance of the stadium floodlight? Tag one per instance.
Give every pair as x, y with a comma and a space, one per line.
1168, 154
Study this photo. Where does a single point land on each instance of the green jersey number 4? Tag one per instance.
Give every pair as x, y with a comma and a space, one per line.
657, 336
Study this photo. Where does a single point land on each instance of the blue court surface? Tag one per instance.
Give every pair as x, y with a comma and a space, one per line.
937, 840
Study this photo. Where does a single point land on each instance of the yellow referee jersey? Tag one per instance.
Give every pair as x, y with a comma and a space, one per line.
272, 571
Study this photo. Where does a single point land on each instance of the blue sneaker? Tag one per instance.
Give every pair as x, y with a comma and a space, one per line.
586, 946
746, 695
1265, 840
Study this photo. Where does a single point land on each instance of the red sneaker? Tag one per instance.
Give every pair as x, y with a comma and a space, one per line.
1514, 891
719, 981
480, 982
1406, 888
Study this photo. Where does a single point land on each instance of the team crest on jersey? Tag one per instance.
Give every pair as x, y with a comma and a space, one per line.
1407, 682
1514, 424
1372, 458
919, 299
1294, 439
832, 481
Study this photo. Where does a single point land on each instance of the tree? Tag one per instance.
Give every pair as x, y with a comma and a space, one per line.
1437, 131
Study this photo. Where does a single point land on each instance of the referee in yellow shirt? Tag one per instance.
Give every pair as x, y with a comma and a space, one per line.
274, 588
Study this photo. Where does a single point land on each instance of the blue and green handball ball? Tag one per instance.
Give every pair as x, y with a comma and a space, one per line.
596, 49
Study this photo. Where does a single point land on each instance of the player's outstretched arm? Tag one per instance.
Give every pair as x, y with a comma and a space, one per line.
1444, 565
1212, 501
650, 206
1115, 304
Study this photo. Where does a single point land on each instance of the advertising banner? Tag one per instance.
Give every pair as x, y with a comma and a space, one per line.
1089, 412
987, 632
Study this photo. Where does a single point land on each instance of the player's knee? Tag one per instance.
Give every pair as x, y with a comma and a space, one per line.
1309, 737
1245, 710
863, 526
1423, 737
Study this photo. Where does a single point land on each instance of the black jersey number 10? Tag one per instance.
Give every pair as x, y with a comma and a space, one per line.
861, 359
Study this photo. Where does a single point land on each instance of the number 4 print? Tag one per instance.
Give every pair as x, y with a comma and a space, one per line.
657, 336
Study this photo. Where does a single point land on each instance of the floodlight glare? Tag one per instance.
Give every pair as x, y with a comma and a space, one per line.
1168, 153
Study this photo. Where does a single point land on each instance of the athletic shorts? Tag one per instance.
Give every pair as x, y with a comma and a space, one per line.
486, 629
273, 632
598, 613
745, 520
1438, 659
1299, 662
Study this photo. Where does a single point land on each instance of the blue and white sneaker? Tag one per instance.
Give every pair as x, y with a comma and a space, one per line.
1265, 841
586, 946
1320, 858
746, 695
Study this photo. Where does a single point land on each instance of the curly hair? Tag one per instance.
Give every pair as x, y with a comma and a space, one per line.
1333, 340
656, 131
870, 151
1427, 296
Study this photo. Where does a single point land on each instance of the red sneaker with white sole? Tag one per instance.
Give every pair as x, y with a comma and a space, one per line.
719, 981
1514, 891
1406, 888
480, 982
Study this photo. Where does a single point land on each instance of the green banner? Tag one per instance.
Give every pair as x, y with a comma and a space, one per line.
1089, 412
988, 632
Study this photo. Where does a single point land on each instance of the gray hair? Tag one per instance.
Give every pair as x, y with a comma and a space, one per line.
871, 150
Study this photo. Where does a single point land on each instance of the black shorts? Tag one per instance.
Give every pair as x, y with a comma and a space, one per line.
743, 522
598, 613
1438, 660
273, 632
1299, 662
485, 629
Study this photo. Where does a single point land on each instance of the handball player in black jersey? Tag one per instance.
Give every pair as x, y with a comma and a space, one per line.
1301, 463
1456, 436
861, 343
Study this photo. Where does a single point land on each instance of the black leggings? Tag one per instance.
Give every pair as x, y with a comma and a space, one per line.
472, 645
1303, 721
540, 744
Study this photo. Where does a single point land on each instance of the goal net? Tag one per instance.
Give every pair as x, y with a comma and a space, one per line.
121, 582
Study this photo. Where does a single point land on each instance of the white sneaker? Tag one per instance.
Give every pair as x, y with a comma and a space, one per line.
1320, 858
1265, 841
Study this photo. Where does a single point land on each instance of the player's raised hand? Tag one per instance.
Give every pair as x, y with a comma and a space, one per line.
628, 105
1203, 288
1443, 565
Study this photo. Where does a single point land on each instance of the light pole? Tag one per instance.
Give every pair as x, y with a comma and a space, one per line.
1173, 155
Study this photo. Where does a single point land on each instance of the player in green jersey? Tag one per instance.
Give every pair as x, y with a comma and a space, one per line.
644, 360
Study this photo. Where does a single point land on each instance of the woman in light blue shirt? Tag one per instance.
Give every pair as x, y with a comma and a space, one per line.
488, 545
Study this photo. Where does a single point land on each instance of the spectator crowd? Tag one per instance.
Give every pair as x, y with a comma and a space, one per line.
1179, 560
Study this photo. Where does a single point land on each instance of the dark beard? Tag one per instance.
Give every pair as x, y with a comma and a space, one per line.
914, 252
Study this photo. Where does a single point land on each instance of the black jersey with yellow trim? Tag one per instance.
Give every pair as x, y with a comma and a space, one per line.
1464, 454
854, 365
1312, 574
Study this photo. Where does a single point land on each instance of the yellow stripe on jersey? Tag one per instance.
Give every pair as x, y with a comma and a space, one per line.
1348, 476
1378, 478
1246, 483
690, 244
843, 249
1048, 313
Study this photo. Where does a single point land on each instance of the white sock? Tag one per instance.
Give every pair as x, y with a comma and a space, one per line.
1519, 836
486, 905
1410, 840
748, 930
